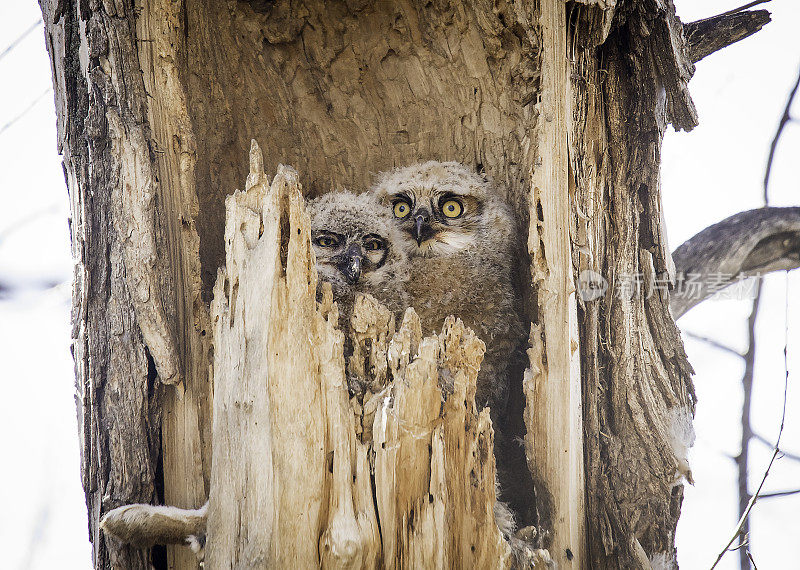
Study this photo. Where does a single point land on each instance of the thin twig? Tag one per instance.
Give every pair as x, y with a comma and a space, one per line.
745, 542
743, 8
780, 494
25, 220
777, 451
768, 443
713, 343
22, 36
746, 430
25, 111
785, 118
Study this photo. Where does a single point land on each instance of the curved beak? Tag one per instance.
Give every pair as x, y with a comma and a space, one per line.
422, 228
350, 265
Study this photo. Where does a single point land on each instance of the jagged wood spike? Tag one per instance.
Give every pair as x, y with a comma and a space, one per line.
291, 473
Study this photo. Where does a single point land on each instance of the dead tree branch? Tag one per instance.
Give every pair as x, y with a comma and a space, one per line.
775, 453
25, 111
706, 36
745, 7
768, 443
743, 459
780, 494
19, 38
747, 244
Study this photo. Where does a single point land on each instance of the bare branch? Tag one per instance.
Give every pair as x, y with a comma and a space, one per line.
768, 443
777, 450
785, 118
21, 37
25, 111
747, 244
704, 37
754, 498
713, 343
743, 459
745, 7
780, 494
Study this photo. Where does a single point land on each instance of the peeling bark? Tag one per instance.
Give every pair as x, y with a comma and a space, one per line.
298, 490
157, 104
133, 235
637, 393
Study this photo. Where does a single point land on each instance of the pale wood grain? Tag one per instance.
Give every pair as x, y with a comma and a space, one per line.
552, 384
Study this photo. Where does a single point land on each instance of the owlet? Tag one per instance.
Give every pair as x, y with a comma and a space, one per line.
461, 240
355, 244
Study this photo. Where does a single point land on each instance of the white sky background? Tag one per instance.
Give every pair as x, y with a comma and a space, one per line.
708, 174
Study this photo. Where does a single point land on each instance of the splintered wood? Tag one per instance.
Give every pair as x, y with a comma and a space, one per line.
402, 476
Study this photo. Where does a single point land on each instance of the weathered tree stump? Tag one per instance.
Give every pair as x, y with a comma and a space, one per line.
564, 104
290, 481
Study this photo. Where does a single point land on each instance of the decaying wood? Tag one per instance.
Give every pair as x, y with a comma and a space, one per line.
157, 104
342, 90
104, 120
290, 477
750, 243
706, 36
186, 427
552, 383
122, 338
637, 393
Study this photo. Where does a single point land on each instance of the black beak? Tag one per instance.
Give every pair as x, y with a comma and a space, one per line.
422, 229
350, 265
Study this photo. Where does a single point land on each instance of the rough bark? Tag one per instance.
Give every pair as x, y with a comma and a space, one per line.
139, 320
747, 244
297, 491
118, 394
157, 104
637, 393
704, 37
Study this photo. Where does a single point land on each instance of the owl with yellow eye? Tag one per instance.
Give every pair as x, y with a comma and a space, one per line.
355, 245
462, 245
434, 236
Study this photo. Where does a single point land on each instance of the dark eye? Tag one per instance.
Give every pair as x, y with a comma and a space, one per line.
326, 241
452, 208
402, 209
373, 244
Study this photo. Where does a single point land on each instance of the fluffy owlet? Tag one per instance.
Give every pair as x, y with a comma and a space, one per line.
359, 247
461, 239
354, 241
450, 253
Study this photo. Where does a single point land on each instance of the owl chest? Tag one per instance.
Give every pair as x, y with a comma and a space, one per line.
468, 291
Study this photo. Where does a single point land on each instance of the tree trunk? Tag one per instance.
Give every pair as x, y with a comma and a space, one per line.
298, 492
563, 104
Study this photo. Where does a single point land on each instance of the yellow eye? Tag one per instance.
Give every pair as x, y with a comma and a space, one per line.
452, 208
402, 209
325, 241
